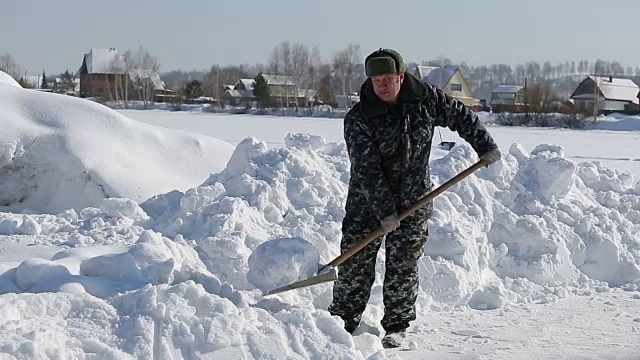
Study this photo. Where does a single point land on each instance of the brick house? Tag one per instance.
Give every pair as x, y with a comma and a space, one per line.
100, 71
103, 70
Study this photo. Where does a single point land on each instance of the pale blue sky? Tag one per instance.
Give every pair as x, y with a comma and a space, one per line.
184, 34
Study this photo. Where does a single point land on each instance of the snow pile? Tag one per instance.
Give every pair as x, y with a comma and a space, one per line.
121, 295
59, 152
262, 195
617, 122
7, 79
279, 262
535, 227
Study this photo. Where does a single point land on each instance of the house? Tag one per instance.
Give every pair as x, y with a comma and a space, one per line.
282, 90
507, 98
244, 84
611, 94
508, 95
449, 79
100, 71
241, 98
103, 71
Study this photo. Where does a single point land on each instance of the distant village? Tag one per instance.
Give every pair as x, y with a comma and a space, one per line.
104, 76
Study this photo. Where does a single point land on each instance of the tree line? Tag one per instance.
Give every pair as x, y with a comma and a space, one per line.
342, 74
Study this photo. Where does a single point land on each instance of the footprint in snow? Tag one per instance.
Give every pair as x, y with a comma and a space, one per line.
471, 333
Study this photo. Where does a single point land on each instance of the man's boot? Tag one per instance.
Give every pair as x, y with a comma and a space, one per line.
394, 339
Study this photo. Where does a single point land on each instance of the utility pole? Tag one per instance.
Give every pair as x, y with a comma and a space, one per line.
218, 86
595, 94
526, 105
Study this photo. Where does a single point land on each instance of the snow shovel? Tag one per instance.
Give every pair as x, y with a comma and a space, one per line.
328, 272
445, 145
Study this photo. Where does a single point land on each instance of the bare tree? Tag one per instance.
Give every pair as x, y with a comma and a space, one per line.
117, 67
9, 65
281, 63
143, 70
313, 73
299, 69
344, 65
219, 76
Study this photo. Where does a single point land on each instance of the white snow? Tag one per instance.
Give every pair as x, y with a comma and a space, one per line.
280, 262
58, 152
535, 257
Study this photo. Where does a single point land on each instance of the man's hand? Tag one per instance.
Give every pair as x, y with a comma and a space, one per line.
390, 223
491, 156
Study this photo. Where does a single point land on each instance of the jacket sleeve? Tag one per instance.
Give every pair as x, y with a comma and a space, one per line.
366, 169
453, 114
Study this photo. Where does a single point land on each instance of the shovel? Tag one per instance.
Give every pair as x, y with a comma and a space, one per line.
329, 273
445, 145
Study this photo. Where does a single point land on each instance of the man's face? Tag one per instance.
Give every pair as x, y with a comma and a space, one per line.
387, 87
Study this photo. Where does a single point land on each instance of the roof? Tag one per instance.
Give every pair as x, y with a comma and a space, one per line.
613, 88
104, 61
247, 83
278, 79
423, 71
437, 76
508, 89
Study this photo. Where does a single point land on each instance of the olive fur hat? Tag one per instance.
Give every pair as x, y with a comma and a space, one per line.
384, 62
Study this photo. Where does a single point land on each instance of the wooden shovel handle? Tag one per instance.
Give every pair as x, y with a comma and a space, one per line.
420, 203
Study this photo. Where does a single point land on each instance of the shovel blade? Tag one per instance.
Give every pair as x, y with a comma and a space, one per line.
447, 145
327, 276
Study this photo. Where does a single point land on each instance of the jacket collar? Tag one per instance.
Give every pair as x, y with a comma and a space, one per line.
371, 105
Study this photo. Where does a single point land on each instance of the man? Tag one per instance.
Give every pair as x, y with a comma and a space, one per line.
388, 136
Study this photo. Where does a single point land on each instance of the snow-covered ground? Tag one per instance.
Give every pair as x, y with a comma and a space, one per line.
613, 141
535, 257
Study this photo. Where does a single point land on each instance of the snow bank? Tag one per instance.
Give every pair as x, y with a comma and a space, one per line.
59, 152
180, 273
531, 228
617, 122
7, 79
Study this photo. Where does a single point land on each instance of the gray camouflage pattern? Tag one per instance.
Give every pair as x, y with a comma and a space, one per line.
389, 149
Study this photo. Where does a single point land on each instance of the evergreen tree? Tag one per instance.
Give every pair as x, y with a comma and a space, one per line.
192, 89
261, 90
44, 84
68, 85
325, 93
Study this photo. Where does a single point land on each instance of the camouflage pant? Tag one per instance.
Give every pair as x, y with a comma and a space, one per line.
403, 248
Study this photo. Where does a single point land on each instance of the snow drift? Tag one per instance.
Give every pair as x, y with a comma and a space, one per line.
58, 152
173, 272
529, 228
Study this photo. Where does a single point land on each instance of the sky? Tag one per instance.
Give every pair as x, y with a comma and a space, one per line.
53, 36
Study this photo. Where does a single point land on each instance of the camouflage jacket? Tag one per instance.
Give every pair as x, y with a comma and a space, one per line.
389, 146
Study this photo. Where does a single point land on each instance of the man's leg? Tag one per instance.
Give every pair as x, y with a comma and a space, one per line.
356, 275
403, 249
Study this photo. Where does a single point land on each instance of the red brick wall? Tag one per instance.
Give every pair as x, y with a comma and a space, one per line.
97, 85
